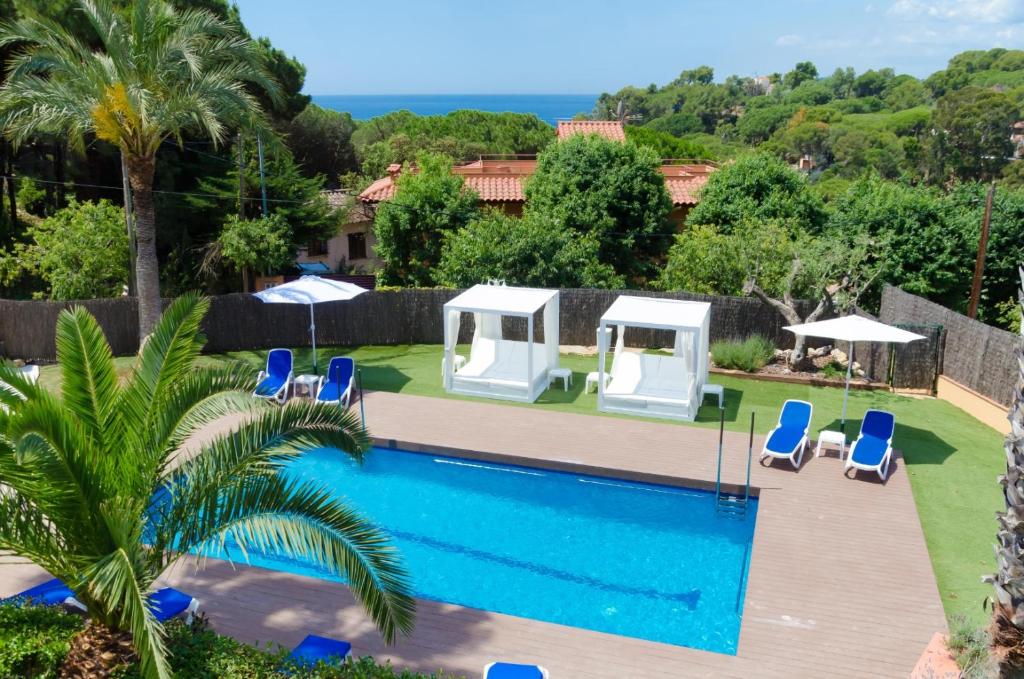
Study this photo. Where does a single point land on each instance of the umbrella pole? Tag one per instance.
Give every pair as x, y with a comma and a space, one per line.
846, 394
312, 334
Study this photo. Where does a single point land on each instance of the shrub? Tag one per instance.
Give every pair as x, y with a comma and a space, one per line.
970, 647
532, 251
749, 355
35, 639
80, 252
833, 370
197, 652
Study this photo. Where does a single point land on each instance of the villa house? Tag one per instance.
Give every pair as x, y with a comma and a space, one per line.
499, 182
352, 248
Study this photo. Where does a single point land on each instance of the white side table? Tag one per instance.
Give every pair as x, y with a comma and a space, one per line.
833, 438
714, 390
459, 362
563, 374
592, 380
307, 383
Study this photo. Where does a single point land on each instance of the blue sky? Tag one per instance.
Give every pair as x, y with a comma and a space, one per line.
591, 46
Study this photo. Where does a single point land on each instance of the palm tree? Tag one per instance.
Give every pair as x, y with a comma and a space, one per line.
101, 492
1008, 604
159, 73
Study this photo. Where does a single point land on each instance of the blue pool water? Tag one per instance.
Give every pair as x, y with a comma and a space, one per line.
639, 560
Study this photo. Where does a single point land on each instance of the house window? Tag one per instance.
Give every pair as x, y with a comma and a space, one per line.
316, 248
357, 246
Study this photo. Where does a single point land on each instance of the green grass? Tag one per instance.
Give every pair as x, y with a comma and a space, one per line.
952, 459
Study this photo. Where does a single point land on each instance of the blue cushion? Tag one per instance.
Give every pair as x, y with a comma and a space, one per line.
314, 648
507, 670
270, 385
168, 602
784, 440
879, 424
279, 363
49, 593
339, 377
330, 392
795, 414
869, 451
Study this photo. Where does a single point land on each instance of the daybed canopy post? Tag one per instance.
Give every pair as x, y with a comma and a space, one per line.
551, 332
602, 350
529, 357
451, 337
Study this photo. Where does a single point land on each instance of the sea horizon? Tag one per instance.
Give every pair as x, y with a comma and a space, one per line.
548, 107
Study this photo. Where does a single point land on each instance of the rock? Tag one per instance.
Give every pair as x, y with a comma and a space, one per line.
839, 356
819, 351
858, 372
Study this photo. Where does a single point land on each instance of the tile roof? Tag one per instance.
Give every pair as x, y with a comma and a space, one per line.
612, 129
501, 181
382, 189
684, 182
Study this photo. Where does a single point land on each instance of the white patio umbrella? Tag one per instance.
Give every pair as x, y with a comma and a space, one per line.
852, 329
310, 290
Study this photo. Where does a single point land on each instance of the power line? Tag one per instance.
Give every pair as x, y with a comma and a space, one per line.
161, 191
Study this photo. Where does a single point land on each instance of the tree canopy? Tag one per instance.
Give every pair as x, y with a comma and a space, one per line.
429, 203
757, 187
533, 251
611, 191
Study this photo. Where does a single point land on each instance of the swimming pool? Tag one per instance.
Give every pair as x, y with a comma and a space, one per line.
639, 560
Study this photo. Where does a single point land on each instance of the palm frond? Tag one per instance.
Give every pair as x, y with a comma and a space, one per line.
89, 385
304, 521
114, 580
167, 356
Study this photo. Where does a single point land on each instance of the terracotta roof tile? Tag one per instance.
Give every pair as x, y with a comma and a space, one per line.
612, 129
382, 189
501, 181
684, 182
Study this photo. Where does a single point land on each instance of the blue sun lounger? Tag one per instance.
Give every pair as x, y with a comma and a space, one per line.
872, 451
507, 670
165, 603
313, 649
50, 593
788, 440
272, 383
336, 386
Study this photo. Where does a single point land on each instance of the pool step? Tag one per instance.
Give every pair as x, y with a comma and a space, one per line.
725, 503
735, 505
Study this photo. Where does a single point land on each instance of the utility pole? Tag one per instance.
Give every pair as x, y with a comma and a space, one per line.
241, 177
126, 187
263, 179
979, 263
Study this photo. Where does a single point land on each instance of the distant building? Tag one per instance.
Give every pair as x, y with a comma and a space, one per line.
353, 248
805, 164
612, 129
1017, 137
764, 84
499, 182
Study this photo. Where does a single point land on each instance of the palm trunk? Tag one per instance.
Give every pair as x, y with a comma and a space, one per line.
9, 171
147, 271
1008, 623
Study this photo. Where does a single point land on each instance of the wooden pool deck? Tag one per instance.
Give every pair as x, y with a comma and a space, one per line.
840, 581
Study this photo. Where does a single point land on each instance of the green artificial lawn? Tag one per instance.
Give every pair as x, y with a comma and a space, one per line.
951, 458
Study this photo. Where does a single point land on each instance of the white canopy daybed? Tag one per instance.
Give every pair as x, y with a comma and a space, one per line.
498, 367
651, 384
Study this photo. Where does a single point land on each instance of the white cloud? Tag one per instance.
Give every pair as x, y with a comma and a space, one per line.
973, 11
789, 40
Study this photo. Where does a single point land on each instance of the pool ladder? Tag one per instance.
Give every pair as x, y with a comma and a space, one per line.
731, 504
